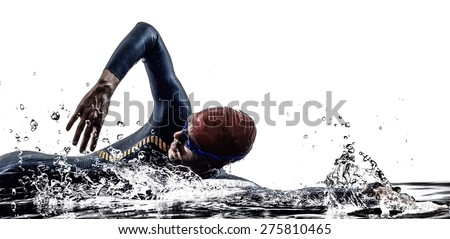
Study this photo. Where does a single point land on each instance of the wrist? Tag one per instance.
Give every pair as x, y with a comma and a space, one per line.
108, 80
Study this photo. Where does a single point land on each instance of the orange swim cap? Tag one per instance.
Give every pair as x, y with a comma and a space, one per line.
224, 131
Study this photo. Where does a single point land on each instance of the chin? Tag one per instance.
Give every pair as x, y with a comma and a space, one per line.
171, 155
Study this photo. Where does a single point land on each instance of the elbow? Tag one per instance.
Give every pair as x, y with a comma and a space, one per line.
147, 28
148, 32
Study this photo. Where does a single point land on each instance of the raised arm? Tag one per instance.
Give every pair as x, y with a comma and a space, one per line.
171, 103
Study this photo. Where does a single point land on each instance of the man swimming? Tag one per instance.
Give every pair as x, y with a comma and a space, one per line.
204, 141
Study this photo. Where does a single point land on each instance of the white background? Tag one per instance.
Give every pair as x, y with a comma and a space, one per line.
388, 59
408, 228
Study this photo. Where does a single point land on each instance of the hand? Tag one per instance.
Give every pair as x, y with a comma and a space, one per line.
92, 111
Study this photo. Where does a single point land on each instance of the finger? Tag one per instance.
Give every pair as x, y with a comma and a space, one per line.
72, 120
97, 126
80, 128
86, 136
95, 136
98, 123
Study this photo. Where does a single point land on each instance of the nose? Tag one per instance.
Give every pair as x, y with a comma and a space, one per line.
179, 136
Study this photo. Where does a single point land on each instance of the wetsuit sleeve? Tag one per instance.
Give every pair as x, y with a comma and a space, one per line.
171, 104
143, 41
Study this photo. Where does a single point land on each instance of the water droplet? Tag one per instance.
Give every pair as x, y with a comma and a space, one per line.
323, 118
55, 115
406, 140
119, 136
37, 149
345, 137
67, 150
34, 73
87, 84
120, 124
105, 140
18, 141
152, 131
22, 106
141, 155
58, 141
17, 136
351, 150
26, 138
61, 106
13, 191
138, 123
33, 125
305, 136
59, 131
10, 130
381, 127
347, 124
340, 117
335, 125
13, 207
88, 123
313, 146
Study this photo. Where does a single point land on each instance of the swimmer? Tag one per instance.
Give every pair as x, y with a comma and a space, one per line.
205, 141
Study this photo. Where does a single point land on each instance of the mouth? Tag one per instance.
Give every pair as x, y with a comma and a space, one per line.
174, 152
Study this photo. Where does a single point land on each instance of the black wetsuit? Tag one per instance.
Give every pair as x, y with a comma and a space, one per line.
171, 108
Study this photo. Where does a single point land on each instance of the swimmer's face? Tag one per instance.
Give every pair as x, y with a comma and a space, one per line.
179, 153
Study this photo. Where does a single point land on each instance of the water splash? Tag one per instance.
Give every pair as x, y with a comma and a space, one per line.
368, 188
126, 179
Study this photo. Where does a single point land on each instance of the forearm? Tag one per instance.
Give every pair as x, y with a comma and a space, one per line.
108, 81
135, 46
